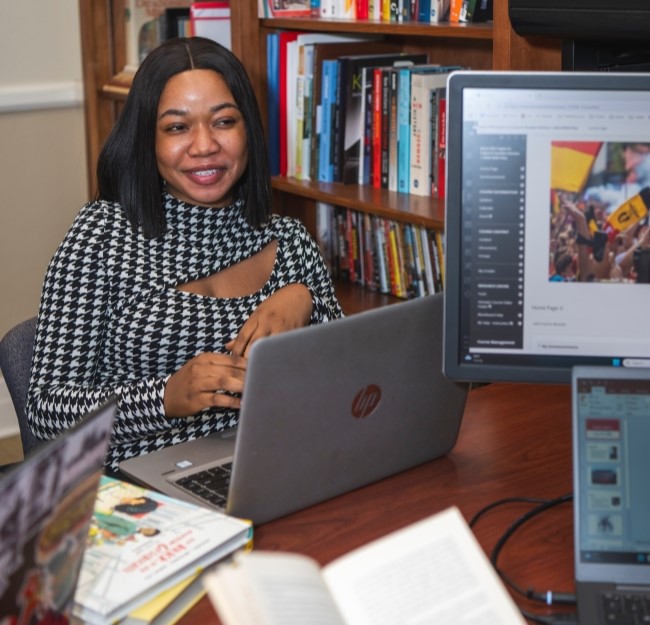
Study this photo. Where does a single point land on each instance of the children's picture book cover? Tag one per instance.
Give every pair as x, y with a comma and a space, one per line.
141, 542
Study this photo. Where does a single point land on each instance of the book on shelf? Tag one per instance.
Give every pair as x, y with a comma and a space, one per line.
212, 20
325, 161
376, 130
146, 28
285, 37
319, 52
283, 8
433, 571
425, 83
350, 109
291, 74
455, 10
440, 249
392, 257
403, 129
141, 543
177, 22
441, 146
393, 87
273, 102
433, 11
300, 66
384, 127
476, 11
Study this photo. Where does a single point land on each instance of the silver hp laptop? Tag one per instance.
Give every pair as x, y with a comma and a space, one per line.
326, 409
611, 441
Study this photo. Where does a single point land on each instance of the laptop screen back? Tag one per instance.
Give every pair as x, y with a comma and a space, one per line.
611, 469
47, 504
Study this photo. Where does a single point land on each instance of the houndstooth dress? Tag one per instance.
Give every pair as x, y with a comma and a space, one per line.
112, 322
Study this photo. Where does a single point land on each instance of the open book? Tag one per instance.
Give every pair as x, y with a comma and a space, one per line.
433, 571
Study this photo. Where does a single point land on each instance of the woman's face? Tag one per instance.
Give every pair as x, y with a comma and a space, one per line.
201, 146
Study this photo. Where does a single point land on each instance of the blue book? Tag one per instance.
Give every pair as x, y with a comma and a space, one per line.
273, 102
424, 11
404, 130
328, 101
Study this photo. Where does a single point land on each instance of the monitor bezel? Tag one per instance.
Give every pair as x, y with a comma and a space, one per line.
457, 82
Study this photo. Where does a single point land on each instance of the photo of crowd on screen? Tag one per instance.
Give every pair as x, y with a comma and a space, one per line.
599, 208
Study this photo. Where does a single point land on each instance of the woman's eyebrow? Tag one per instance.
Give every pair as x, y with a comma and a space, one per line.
181, 112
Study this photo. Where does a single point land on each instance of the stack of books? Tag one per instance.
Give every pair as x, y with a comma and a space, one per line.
146, 554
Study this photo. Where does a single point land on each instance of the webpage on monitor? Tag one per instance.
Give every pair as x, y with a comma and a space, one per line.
556, 192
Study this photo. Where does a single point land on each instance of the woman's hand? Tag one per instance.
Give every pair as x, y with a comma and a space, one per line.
287, 309
200, 383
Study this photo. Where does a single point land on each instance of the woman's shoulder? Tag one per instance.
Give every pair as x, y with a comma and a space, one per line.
287, 226
102, 210
101, 217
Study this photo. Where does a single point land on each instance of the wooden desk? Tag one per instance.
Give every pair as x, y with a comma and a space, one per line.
515, 441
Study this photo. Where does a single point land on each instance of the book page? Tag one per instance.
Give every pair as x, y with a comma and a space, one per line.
431, 572
261, 588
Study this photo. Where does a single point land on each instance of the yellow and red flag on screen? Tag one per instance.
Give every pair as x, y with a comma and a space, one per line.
632, 211
571, 163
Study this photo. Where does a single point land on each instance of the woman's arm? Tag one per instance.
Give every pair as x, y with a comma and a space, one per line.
75, 304
309, 298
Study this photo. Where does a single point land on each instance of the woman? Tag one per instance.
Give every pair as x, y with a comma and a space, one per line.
164, 282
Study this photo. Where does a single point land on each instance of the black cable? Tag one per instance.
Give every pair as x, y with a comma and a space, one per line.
549, 597
501, 502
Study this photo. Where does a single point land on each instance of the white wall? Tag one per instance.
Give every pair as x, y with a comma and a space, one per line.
42, 144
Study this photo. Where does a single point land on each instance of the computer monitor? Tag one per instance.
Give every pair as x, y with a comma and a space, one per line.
547, 248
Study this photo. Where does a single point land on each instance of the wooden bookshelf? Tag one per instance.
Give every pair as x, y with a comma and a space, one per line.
493, 46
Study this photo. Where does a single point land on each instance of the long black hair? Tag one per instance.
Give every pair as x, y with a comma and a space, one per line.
127, 172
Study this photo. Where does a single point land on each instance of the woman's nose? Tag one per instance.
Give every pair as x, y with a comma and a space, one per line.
204, 141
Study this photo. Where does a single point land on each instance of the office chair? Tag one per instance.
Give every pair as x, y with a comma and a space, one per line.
16, 349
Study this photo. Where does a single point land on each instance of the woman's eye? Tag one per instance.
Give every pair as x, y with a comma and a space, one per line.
176, 127
225, 122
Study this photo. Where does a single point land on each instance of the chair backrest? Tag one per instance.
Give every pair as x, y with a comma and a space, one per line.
16, 348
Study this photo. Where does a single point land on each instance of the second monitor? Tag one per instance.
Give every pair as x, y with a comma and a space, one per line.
547, 239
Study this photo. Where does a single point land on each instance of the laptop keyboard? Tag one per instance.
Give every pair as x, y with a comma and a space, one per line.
626, 609
210, 485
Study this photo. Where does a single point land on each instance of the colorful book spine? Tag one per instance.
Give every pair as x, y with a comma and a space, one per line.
455, 7
380, 247
439, 11
441, 155
424, 11
404, 130
428, 261
300, 124
392, 129
325, 164
273, 102
440, 246
376, 126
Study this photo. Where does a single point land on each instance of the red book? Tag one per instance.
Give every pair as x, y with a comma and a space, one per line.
375, 173
442, 146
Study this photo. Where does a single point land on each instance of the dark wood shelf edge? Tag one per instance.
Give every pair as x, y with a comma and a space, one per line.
423, 211
443, 30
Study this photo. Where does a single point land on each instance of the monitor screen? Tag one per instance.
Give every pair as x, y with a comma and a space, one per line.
547, 247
